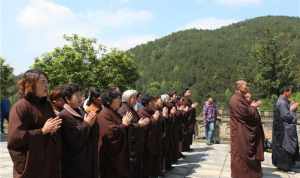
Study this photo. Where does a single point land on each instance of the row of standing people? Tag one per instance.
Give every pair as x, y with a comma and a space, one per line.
107, 135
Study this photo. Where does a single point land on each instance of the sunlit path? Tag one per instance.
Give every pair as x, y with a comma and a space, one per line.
214, 162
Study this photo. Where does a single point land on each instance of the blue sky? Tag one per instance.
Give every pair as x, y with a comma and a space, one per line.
30, 28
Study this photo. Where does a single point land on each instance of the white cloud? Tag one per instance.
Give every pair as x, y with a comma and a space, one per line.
45, 22
118, 18
210, 23
128, 42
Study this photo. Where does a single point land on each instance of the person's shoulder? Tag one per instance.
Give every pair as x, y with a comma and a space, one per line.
124, 107
281, 101
22, 105
105, 112
233, 97
63, 113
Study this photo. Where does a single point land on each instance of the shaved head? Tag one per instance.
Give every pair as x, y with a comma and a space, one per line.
241, 85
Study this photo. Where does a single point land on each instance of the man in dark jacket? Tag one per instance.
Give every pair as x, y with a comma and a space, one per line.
285, 147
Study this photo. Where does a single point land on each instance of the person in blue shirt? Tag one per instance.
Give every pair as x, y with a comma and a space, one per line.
5, 106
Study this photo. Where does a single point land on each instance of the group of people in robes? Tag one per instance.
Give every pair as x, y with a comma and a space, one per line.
107, 134
247, 135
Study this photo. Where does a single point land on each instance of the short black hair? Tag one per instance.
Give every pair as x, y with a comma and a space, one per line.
93, 94
56, 93
146, 99
69, 90
108, 96
286, 89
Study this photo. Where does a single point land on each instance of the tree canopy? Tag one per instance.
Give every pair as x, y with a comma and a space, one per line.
88, 64
7, 79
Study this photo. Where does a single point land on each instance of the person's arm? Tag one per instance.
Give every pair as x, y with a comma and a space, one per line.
75, 132
285, 113
114, 134
243, 110
20, 135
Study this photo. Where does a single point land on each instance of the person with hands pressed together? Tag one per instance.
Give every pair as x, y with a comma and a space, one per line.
285, 147
113, 141
246, 152
136, 133
34, 142
152, 164
80, 137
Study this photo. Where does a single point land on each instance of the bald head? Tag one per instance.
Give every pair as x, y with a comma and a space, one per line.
241, 85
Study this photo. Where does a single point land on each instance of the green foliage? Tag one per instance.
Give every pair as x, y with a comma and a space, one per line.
7, 80
275, 64
268, 104
209, 62
88, 64
117, 69
296, 97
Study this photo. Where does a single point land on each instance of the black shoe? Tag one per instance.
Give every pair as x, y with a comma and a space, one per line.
170, 168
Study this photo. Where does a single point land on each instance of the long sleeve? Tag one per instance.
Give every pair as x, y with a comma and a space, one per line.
20, 134
75, 132
287, 115
241, 110
113, 134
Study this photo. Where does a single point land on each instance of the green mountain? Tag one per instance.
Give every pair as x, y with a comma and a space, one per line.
209, 61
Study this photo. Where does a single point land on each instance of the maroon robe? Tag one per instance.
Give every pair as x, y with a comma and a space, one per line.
136, 144
189, 120
114, 161
177, 133
175, 140
169, 143
80, 146
153, 145
33, 154
246, 139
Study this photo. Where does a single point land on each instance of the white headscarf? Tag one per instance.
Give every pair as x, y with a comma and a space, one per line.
128, 94
165, 98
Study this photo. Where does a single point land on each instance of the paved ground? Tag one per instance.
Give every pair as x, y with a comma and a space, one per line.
214, 162
203, 162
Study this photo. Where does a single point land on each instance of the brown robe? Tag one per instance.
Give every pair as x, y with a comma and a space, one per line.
189, 120
169, 144
246, 139
33, 154
178, 132
114, 161
136, 137
153, 145
80, 146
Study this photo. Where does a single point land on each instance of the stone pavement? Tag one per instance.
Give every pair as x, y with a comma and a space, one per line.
214, 162
5, 162
203, 162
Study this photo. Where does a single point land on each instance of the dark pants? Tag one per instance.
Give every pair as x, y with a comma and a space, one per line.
3, 117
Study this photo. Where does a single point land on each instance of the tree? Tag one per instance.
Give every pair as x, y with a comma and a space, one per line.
88, 64
274, 64
210, 61
7, 79
117, 68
